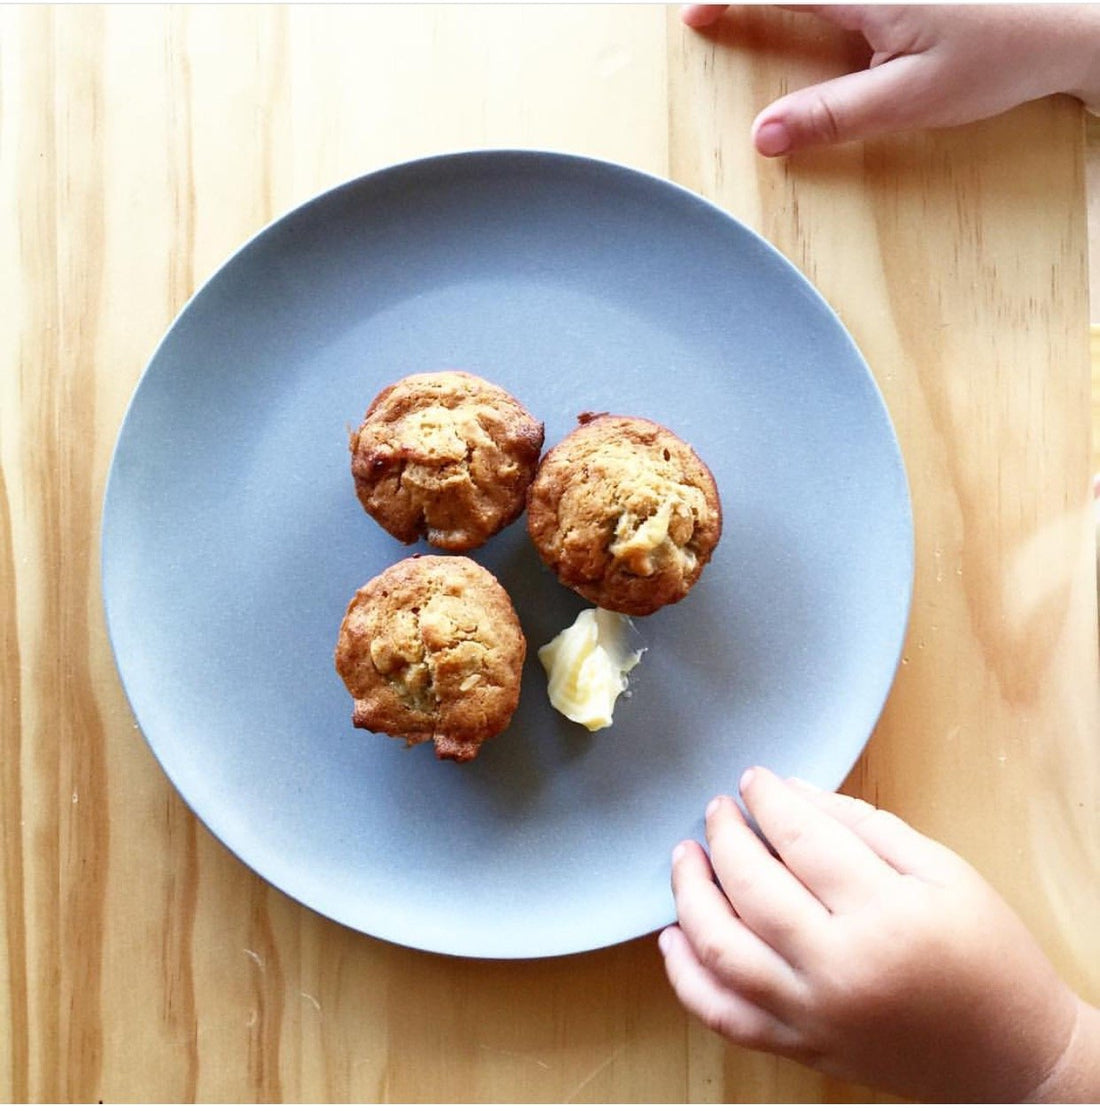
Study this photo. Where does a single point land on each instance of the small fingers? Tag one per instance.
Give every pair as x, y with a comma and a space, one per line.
723, 943
718, 1006
889, 836
762, 890
837, 866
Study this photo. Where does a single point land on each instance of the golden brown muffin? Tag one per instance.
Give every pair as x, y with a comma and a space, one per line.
447, 456
625, 513
431, 649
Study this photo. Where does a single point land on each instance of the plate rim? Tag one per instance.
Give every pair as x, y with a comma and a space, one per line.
490, 156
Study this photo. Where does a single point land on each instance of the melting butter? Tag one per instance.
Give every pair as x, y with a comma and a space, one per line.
587, 664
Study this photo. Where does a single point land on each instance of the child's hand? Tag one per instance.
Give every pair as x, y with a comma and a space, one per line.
870, 952
933, 66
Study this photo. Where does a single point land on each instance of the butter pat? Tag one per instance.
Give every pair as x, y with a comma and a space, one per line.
587, 664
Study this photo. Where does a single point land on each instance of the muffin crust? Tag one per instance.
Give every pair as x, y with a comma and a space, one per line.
447, 456
625, 513
431, 649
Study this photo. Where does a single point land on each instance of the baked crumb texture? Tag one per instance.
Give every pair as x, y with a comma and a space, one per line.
625, 513
431, 649
446, 456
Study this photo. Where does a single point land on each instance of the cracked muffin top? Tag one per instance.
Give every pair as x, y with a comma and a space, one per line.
625, 513
431, 649
446, 456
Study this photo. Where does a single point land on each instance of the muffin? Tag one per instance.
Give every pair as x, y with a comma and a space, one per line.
432, 649
446, 456
625, 513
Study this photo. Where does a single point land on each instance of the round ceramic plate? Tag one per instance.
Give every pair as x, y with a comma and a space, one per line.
233, 541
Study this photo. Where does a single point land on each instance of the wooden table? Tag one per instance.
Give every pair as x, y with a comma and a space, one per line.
140, 961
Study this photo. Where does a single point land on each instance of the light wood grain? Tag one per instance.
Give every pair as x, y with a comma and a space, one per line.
140, 961
1094, 350
1092, 187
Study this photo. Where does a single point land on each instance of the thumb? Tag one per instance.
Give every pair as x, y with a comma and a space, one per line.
896, 95
701, 15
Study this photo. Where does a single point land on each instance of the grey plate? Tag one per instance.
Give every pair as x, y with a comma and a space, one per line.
232, 542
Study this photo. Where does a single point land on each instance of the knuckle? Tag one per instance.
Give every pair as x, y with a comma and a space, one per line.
711, 951
864, 817
824, 120
855, 806
737, 882
882, 820
755, 1031
734, 1025
872, 822
788, 835
716, 1017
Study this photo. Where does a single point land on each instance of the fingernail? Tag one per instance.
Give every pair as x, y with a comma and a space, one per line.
772, 138
746, 779
664, 941
678, 851
713, 806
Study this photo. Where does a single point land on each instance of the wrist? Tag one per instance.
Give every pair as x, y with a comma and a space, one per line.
1075, 1076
